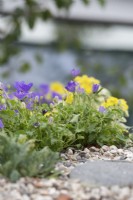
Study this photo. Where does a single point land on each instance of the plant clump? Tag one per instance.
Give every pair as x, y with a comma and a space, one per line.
80, 114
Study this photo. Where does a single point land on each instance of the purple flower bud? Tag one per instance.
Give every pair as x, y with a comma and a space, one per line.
71, 86
1, 124
102, 109
75, 72
95, 87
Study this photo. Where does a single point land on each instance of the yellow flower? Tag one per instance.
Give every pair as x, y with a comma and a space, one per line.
86, 82
69, 98
47, 114
111, 101
123, 104
57, 87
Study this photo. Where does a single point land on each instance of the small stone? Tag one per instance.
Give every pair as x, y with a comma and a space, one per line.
86, 150
131, 149
30, 188
70, 152
115, 189
95, 194
78, 157
82, 154
113, 147
120, 151
38, 184
39, 197
2, 182
25, 197
63, 197
94, 149
117, 158
114, 152
124, 193
87, 155
108, 154
64, 191
129, 155
14, 194
105, 148
43, 192
51, 190
67, 164
105, 192
62, 155
123, 157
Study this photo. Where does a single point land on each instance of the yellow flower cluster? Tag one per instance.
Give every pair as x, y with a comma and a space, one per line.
123, 104
113, 101
86, 82
57, 87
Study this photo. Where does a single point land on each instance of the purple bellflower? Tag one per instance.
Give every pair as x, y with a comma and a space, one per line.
95, 87
75, 72
71, 86
22, 86
22, 89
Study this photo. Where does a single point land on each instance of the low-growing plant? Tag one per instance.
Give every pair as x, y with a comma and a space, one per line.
20, 160
81, 114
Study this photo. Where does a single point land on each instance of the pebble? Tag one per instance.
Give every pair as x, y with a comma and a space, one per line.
70, 152
94, 149
113, 147
105, 148
65, 189
104, 192
87, 155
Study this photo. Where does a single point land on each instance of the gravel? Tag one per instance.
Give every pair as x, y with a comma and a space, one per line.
64, 188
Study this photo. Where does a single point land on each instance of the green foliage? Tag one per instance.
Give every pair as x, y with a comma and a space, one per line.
81, 124
77, 124
63, 3
102, 2
20, 160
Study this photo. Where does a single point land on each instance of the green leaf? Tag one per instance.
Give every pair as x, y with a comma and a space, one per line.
63, 3
46, 14
25, 67
86, 1
75, 118
102, 2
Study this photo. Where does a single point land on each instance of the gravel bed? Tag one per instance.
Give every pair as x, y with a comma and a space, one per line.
65, 189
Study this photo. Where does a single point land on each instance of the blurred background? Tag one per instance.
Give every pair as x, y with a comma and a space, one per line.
42, 40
